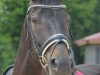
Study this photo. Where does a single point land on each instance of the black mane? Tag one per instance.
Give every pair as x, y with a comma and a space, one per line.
48, 1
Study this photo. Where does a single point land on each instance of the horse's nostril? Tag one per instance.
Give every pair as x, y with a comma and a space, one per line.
53, 63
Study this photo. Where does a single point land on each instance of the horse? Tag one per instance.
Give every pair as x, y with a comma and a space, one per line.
44, 47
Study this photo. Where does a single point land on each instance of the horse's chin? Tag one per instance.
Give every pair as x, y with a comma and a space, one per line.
58, 73
52, 72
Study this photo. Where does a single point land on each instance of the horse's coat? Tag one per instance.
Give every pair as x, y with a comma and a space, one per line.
41, 24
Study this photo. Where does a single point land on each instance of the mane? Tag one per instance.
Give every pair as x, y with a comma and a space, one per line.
48, 1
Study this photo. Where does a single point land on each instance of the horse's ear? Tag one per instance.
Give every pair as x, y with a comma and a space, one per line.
33, 1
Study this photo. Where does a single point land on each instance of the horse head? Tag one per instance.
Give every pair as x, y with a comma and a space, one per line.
49, 31
47, 28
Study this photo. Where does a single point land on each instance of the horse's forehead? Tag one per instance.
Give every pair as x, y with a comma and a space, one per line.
58, 14
49, 12
53, 11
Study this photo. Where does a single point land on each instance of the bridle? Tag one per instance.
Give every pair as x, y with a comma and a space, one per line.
46, 6
57, 38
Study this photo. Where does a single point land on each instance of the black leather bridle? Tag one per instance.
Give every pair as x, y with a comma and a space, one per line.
57, 38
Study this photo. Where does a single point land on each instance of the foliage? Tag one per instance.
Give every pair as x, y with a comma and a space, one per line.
85, 16
12, 13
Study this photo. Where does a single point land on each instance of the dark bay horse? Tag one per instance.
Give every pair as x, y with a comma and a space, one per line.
44, 47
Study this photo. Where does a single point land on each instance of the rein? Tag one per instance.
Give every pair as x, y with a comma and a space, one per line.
57, 38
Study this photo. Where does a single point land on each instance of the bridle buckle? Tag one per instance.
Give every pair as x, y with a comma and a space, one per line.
43, 62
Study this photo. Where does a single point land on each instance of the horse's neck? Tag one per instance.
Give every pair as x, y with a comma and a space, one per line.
25, 63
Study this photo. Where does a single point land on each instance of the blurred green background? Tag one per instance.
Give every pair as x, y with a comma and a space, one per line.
85, 20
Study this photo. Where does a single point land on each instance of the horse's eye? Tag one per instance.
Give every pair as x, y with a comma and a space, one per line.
34, 20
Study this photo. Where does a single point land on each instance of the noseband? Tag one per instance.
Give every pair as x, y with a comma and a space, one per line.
57, 38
